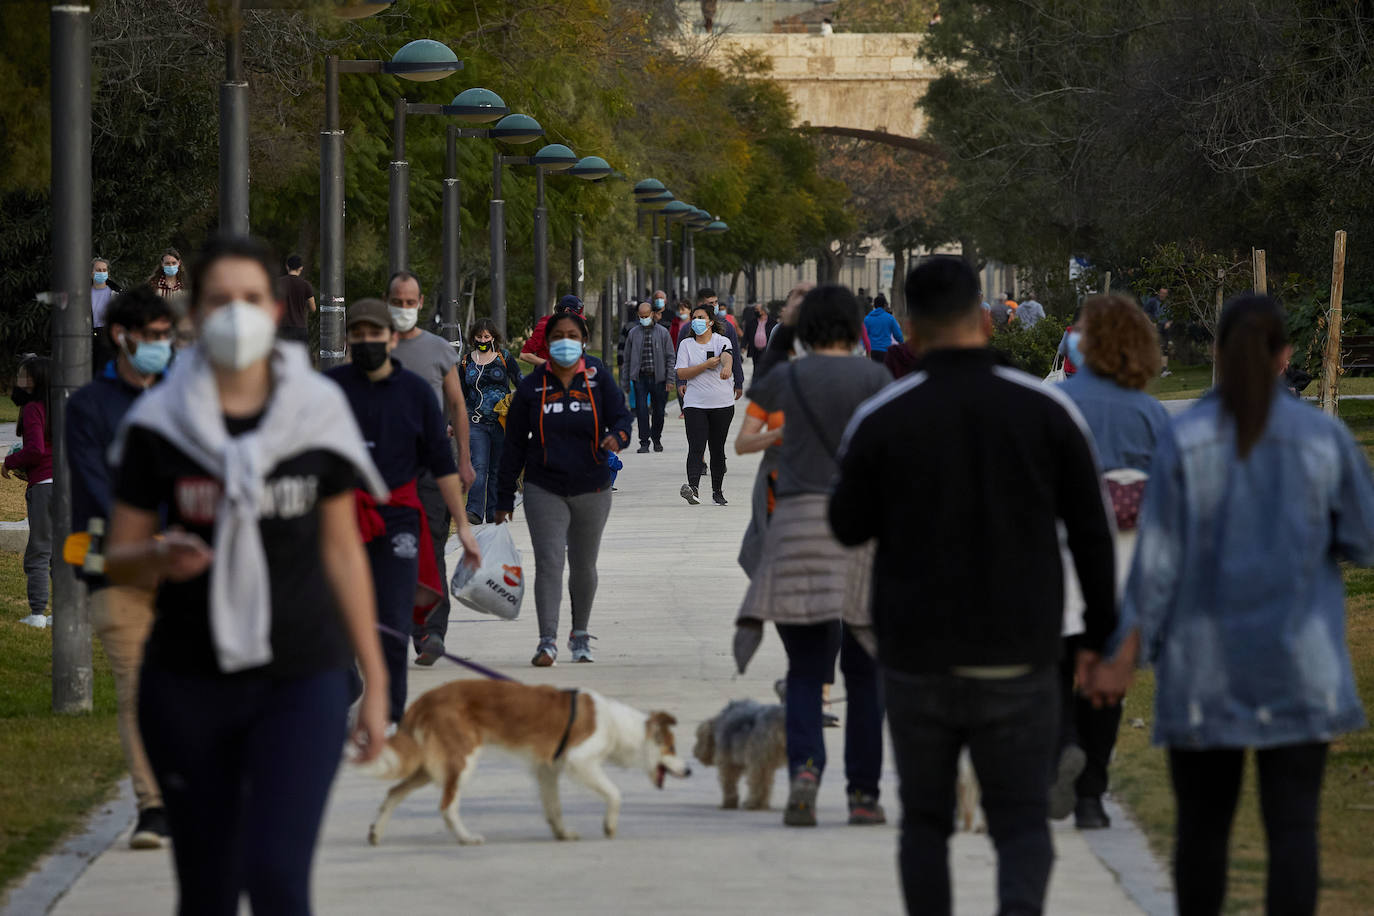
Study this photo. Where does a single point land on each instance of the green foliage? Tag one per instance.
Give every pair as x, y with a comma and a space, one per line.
1032, 351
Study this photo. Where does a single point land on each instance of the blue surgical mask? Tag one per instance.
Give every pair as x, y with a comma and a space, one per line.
659, 304
100, 276
646, 321
721, 313
565, 351
1075, 354
170, 269
698, 325
151, 357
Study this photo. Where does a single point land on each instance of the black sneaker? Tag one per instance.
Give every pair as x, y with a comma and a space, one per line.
474, 519
658, 446
865, 810
719, 499
1090, 815
430, 650
689, 493
151, 830
801, 798
643, 449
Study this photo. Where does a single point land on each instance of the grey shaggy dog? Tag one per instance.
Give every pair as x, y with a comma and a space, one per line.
744, 738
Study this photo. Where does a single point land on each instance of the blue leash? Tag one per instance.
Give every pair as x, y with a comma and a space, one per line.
474, 666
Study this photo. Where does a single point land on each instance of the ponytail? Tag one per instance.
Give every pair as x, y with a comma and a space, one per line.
1249, 336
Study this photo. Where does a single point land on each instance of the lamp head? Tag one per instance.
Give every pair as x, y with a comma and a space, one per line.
554, 158
591, 168
477, 105
423, 60
516, 128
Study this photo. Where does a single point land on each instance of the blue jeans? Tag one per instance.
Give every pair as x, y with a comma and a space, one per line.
811, 651
1010, 727
485, 440
245, 764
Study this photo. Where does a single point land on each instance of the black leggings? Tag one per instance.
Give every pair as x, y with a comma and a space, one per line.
1207, 787
707, 426
245, 763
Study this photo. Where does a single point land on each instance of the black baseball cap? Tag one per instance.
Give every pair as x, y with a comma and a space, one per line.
368, 311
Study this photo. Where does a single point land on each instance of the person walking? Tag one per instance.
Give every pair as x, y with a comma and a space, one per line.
1120, 357
435, 360
567, 419
489, 377
1029, 313
298, 301
977, 667
758, 325
169, 278
883, 330
102, 294
140, 326
536, 349
648, 365
704, 364
32, 463
707, 298
404, 432
821, 614
243, 697
1236, 598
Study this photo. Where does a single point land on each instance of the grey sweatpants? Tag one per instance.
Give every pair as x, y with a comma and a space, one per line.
38, 553
560, 525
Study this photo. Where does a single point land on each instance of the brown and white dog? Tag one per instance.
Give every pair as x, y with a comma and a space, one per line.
446, 728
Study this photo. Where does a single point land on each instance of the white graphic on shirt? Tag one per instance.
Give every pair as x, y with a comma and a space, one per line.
405, 545
288, 497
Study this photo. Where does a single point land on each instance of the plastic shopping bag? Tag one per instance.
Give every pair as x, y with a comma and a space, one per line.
498, 587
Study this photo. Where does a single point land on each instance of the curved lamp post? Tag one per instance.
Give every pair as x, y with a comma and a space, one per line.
588, 168
421, 60
555, 157
674, 210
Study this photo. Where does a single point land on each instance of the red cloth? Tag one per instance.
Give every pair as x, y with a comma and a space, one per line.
537, 344
429, 587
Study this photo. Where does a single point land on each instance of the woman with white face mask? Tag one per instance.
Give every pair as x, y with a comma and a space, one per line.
264, 596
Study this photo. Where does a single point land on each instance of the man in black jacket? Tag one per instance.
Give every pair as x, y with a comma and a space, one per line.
947, 468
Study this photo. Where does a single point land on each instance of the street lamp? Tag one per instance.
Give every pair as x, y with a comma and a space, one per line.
420, 60
675, 209
555, 157
588, 168
477, 106
651, 196
695, 221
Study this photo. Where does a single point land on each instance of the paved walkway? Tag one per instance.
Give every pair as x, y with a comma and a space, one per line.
669, 591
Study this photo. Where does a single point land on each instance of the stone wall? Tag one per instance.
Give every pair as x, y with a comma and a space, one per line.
868, 81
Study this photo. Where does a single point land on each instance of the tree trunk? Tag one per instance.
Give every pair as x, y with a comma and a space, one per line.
898, 292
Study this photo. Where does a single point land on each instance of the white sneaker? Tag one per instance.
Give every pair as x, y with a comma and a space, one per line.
37, 620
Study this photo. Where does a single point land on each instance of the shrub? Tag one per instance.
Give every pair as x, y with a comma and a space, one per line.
1033, 350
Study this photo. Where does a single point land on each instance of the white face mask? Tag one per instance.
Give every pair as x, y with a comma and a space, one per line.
237, 335
403, 319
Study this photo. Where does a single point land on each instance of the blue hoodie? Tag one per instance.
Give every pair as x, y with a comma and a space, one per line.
883, 330
554, 434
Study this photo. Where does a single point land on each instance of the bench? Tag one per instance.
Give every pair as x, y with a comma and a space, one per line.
1357, 353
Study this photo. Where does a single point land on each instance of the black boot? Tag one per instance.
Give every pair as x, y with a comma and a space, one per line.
1090, 815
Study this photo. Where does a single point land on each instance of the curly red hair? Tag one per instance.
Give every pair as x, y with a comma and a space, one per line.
1119, 341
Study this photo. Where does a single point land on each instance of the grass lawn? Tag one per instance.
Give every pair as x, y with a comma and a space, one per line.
1193, 382
56, 768
1141, 779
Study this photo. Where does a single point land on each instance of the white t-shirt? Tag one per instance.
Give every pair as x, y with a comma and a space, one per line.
708, 389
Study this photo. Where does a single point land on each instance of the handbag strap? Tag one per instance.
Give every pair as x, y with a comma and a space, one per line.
811, 420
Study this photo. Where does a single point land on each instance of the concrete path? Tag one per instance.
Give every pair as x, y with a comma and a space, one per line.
669, 591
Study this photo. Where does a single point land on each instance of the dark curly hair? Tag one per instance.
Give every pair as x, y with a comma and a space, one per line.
485, 324
558, 318
1119, 340
828, 316
230, 246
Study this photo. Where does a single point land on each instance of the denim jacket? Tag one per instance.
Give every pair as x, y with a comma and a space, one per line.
1236, 587
1126, 424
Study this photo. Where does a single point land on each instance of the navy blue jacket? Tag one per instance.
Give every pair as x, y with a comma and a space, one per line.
554, 434
401, 422
93, 416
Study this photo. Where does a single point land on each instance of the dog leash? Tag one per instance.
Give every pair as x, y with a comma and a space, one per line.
473, 666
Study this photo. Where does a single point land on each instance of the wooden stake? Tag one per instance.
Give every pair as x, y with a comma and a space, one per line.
1331, 360
1261, 276
1107, 283
1221, 291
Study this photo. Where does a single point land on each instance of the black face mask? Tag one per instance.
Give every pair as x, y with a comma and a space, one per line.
20, 396
484, 346
370, 355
